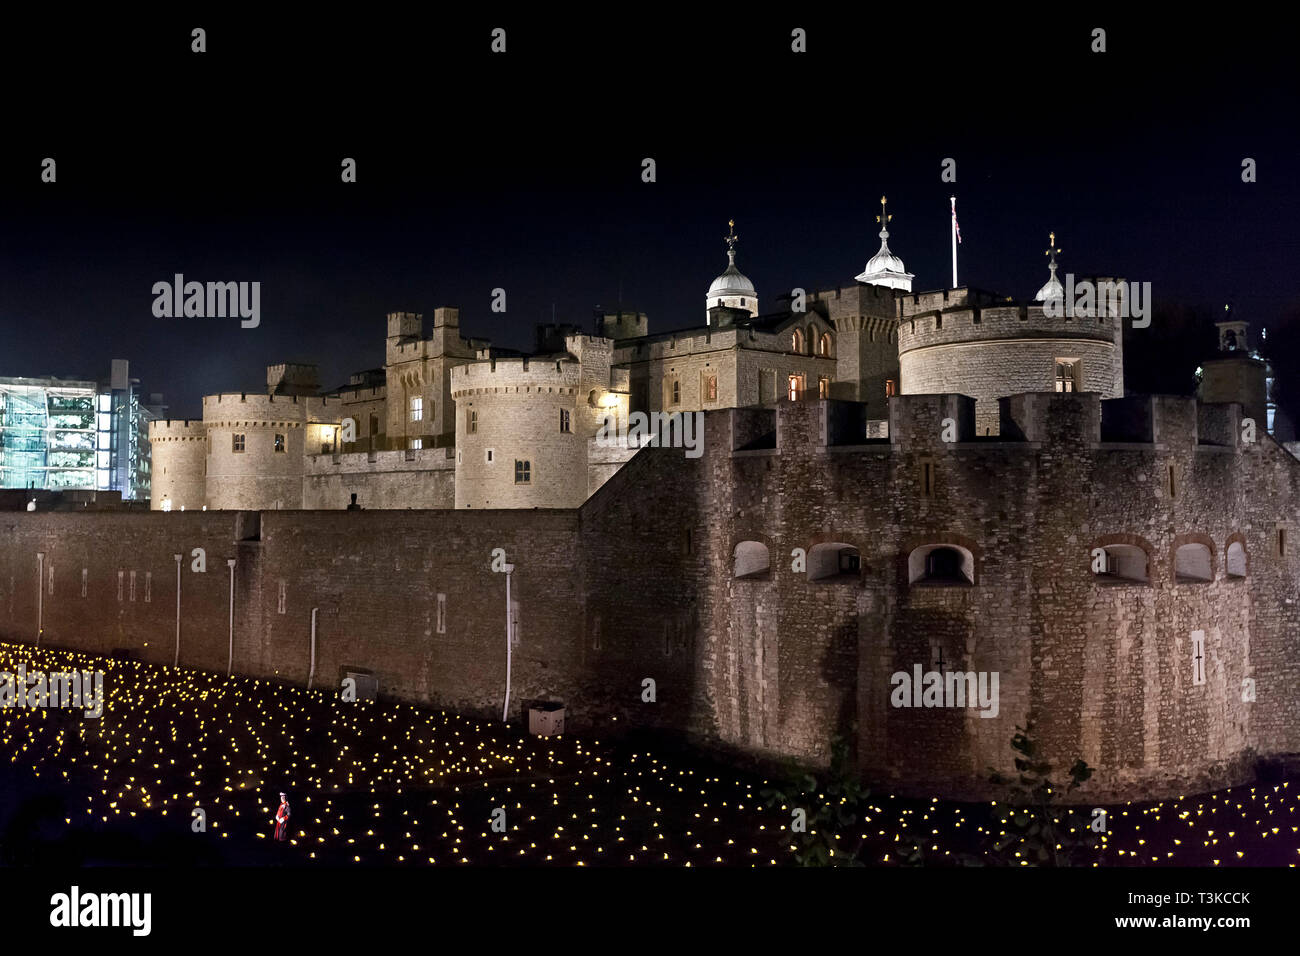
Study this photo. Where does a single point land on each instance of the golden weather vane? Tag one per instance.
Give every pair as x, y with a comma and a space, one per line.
884, 217
731, 234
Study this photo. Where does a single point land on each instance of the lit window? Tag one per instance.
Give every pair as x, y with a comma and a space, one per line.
417, 442
823, 388
237, 443
279, 443
523, 472
710, 388
890, 388
1067, 372
796, 341
796, 387
417, 409
824, 345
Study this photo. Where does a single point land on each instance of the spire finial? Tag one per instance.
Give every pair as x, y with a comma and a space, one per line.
1052, 252
884, 218
731, 239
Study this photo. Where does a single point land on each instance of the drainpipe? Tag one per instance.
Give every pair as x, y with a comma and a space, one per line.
505, 710
40, 596
230, 661
177, 559
312, 673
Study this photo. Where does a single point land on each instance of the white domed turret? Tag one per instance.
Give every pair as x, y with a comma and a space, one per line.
885, 268
732, 289
1053, 289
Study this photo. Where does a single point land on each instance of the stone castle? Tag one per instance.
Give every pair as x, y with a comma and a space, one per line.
949, 489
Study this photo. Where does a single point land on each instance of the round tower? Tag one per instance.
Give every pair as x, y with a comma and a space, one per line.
178, 456
973, 343
256, 445
522, 427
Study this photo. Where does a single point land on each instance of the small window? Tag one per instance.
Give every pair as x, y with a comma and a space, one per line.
1171, 483
751, 560
927, 479
148, 587
489, 456
890, 388
132, 585
1121, 564
941, 565
677, 392
523, 472
120, 577
1236, 560
824, 345
796, 342
442, 614
283, 600
1193, 563
796, 387
279, 443
835, 559
1281, 542
417, 409
565, 424
417, 443
1198, 658
823, 388
1067, 375
710, 387
85, 573
237, 443
472, 423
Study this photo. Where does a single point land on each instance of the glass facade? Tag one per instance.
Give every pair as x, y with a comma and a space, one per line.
58, 435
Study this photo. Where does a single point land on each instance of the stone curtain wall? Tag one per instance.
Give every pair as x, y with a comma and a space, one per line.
639, 584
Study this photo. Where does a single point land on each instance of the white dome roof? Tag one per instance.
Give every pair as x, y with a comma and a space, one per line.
731, 282
1052, 290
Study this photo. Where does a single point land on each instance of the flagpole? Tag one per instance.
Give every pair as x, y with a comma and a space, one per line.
953, 230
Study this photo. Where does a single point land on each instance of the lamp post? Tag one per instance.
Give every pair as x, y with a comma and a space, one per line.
230, 661
40, 596
505, 710
177, 661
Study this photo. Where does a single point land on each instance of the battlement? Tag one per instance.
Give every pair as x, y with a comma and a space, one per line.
292, 379
251, 407
857, 300
405, 324
546, 374
176, 429
964, 323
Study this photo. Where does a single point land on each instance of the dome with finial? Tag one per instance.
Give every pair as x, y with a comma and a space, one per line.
885, 268
1053, 288
733, 288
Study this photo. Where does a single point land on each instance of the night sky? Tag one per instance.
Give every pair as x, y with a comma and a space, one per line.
522, 171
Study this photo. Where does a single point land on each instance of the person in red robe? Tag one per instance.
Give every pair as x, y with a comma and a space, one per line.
282, 819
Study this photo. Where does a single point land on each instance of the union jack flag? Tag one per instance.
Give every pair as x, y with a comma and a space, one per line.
955, 227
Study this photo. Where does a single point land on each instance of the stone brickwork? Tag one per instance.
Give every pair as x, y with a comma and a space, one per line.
179, 451
640, 584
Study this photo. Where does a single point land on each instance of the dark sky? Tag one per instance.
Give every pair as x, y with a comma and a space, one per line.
522, 171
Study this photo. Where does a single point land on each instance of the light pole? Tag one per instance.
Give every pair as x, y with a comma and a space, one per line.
40, 595
230, 661
177, 559
505, 710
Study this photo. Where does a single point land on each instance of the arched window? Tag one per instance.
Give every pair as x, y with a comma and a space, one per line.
1193, 564
1236, 560
1122, 564
796, 341
941, 565
812, 338
824, 345
834, 559
751, 560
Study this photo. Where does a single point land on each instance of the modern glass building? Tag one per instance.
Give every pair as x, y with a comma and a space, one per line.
58, 434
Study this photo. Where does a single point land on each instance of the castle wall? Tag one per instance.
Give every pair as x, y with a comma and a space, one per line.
640, 583
415, 478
